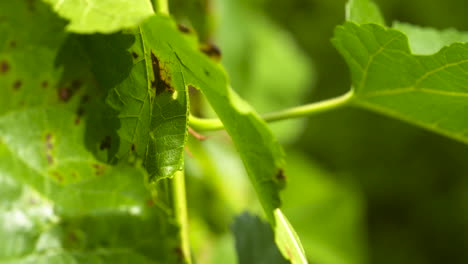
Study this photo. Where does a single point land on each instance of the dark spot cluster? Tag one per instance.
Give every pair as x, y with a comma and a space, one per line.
56, 175
106, 143
49, 148
161, 82
184, 29
79, 114
212, 51
80, 111
65, 93
99, 169
133, 148
134, 55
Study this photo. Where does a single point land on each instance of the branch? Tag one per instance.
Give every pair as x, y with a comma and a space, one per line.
295, 112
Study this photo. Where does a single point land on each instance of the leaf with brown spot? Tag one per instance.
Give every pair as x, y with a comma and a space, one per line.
4, 67
161, 82
152, 110
184, 29
106, 143
16, 85
65, 94
212, 51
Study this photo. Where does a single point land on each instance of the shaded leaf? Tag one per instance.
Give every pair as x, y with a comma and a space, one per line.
102, 16
255, 241
148, 92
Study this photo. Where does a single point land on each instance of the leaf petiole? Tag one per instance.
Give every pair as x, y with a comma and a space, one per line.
161, 7
295, 112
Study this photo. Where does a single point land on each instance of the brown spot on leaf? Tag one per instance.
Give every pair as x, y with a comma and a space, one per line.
179, 253
280, 175
13, 44
49, 144
72, 237
149, 202
99, 169
161, 78
288, 252
212, 51
184, 29
80, 111
4, 67
133, 148
65, 94
192, 89
79, 114
49, 147
106, 143
17, 84
44, 84
134, 55
57, 176
50, 159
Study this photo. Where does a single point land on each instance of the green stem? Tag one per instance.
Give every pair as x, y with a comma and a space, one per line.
180, 210
295, 112
161, 7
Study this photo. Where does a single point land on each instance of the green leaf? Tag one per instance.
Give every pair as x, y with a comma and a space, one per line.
47, 139
43, 148
104, 16
263, 160
149, 94
37, 234
56, 137
363, 11
39, 36
255, 241
429, 91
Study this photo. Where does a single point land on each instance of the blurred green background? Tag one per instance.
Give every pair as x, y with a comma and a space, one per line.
363, 188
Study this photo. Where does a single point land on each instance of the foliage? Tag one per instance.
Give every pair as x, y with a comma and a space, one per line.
96, 141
